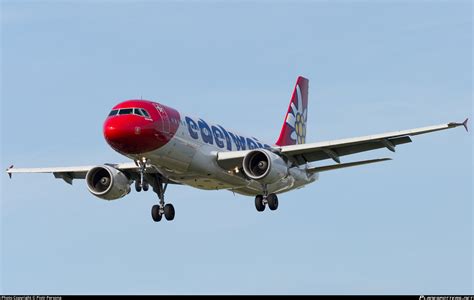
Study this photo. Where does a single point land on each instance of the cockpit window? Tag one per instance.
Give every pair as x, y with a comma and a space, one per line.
138, 111
126, 111
145, 113
130, 111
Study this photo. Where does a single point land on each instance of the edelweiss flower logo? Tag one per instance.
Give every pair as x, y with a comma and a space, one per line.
296, 119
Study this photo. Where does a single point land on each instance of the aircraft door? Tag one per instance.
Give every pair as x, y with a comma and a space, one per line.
165, 120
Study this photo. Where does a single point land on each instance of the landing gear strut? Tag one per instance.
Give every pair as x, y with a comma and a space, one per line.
157, 211
140, 183
262, 200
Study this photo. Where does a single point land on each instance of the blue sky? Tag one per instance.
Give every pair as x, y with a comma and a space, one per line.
403, 226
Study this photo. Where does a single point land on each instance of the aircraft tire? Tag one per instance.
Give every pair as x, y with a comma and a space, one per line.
169, 212
155, 213
138, 187
146, 186
259, 205
272, 201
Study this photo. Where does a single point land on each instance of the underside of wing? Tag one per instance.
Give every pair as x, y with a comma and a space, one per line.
231, 159
80, 172
345, 165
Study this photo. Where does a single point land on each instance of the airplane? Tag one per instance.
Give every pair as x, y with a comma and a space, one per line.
169, 147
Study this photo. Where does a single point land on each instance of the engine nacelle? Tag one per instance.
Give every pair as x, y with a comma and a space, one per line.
264, 166
107, 183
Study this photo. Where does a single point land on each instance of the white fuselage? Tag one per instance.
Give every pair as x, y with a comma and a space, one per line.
190, 158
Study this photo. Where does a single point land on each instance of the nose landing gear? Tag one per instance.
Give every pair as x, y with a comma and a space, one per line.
140, 183
141, 186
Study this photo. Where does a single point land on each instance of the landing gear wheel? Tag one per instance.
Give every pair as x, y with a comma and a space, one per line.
272, 200
259, 205
159, 184
138, 187
155, 213
169, 212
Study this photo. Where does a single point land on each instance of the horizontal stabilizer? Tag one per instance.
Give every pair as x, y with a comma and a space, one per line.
346, 165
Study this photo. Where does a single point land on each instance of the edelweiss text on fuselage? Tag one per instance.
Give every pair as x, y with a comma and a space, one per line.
220, 136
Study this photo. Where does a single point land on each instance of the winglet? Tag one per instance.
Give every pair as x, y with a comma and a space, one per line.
8, 171
465, 124
454, 124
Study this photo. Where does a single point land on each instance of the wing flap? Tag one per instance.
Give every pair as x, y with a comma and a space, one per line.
345, 165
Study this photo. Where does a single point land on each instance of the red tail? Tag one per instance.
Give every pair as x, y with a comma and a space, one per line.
294, 127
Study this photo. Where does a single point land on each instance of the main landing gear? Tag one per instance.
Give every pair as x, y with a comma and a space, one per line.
262, 200
157, 211
159, 184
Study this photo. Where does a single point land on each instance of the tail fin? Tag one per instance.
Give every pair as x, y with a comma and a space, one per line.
294, 126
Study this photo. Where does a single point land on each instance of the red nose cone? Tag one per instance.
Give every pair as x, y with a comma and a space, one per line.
129, 134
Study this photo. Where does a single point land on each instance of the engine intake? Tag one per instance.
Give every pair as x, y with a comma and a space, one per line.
107, 183
264, 166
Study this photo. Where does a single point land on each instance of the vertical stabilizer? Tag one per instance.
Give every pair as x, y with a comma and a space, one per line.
294, 126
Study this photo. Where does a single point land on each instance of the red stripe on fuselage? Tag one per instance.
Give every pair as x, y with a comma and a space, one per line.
134, 134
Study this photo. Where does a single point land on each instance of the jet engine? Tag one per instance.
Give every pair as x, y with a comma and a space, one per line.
107, 183
264, 166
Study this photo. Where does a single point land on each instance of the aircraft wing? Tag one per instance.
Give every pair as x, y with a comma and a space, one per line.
79, 172
303, 153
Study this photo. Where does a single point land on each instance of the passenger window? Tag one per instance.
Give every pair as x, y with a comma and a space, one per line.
113, 113
126, 111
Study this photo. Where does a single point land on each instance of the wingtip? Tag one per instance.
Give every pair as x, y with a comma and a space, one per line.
465, 124
8, 171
